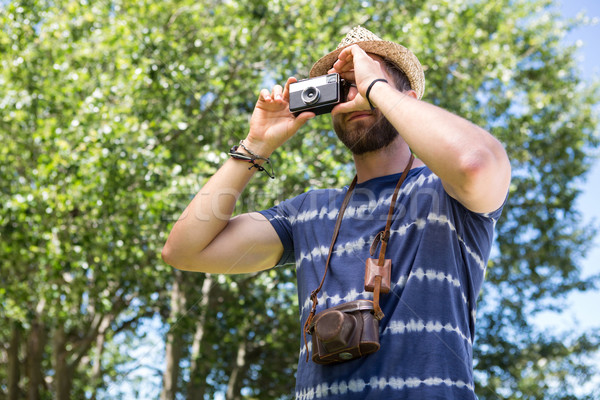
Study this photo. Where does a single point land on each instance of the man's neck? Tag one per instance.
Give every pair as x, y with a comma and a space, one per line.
389, 160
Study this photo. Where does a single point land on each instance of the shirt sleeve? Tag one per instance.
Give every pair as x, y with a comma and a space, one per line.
494, 215
281, 218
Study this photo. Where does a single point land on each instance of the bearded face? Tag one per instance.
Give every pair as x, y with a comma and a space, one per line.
364, 131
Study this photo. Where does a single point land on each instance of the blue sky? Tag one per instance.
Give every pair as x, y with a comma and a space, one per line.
582, 309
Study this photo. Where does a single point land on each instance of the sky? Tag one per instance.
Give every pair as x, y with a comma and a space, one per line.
583, 310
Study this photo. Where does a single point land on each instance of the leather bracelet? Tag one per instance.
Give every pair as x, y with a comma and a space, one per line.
253, 153
233, 153
371, 87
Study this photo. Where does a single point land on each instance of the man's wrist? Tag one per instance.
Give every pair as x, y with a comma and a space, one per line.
256, 148
368, 92
249, 151
242, 153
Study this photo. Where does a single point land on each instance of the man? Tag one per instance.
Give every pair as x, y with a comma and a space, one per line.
439, 239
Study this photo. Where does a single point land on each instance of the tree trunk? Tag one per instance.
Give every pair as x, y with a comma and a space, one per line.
174, 340
198, 370
63, 372
13, 362
234, 386
97, 363
36, 342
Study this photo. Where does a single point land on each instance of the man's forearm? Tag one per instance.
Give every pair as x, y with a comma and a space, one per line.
469, 160
208, 213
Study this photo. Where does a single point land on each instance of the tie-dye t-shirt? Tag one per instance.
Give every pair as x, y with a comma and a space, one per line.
439, 252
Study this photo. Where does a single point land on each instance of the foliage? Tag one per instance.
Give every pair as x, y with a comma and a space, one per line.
114, 113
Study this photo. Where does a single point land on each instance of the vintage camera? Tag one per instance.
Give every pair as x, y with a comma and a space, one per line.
319, 94
344, 332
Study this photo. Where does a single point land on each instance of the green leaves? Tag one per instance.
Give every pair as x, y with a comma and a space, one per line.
113, 114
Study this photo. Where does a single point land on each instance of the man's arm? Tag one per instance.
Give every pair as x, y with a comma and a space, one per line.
205, 238
471, 163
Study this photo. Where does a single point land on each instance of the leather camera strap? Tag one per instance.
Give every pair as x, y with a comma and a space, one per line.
384, 237
379, 237
336, 230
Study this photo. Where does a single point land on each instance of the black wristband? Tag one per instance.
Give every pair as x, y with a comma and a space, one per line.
371, 87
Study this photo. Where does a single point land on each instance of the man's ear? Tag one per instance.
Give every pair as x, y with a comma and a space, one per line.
412, 93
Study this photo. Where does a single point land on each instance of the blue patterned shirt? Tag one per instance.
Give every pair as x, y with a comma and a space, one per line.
439, 252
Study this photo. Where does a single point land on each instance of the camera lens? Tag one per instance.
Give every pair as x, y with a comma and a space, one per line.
310, 95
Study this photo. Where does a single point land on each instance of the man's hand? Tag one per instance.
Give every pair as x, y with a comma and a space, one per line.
355, 65
272, 123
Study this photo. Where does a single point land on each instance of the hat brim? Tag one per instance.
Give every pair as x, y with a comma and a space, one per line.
398, 54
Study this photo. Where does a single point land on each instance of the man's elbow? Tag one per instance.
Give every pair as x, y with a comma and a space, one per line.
184, 261
171, 257
481, 162
485, 179
168, 256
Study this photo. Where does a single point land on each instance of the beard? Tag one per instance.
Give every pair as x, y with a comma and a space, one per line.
365, 137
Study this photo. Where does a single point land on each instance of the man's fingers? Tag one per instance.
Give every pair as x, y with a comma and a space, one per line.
305, 116
347, 53
349, 76
343, 65
265, 94
286, 89
277, 93
356, 51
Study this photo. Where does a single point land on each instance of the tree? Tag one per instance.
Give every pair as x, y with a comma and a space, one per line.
114, 113
79, 229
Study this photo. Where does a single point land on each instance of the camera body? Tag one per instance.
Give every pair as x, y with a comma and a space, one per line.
319, 94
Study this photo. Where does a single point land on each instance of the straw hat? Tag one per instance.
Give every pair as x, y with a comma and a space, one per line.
371, 43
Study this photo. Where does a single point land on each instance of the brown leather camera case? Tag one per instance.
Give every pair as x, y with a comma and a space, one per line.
351, 330
344, 332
